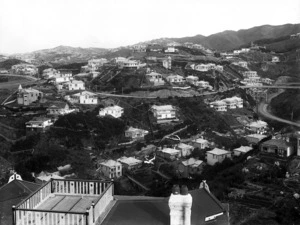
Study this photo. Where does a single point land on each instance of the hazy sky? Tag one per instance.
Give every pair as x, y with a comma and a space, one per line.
27, 25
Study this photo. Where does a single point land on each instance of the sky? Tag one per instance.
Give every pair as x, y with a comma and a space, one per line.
29, 25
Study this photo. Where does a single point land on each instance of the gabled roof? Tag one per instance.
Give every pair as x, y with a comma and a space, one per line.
278, 142
163, 107
243, 149
11, 194
84, 93
110, 163
58, 105
192, 162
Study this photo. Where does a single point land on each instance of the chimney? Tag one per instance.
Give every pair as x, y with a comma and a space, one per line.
180, 204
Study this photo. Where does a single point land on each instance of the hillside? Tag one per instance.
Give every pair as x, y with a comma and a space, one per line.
7, 64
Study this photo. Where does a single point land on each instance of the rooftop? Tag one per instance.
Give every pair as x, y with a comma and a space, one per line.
170, 151
192, 162
110, 163
129, 160
200, 140
217, 151
278, 142
163, 107
244, 149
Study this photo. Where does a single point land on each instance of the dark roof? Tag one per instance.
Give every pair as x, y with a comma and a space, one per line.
277, 142
57, 105
130, 210
11, 194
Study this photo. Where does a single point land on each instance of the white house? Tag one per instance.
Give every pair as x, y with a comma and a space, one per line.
220, 106
258, 126
241, 64
155, 78
130, 64
192, 79
115, 111
135, 133
167, 63
38, 124
110, 168
190, 167
74, 85
267, 81
95, 64
217, 155
238, 101
203, 84
84, 97
175, 79
169, 154
164, 112
200, 143
171, 49
202, 67
241, 150
50, 72
130, 163
59, 108
249, 74
185, 149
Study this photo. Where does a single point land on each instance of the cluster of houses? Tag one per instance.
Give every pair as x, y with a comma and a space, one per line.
24, 69
295, 36
227, 103
252, 79
206, 67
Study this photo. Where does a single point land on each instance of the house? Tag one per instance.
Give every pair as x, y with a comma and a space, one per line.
249, 74
192, 79
11, 194
241, 64
185, 150
164, 112
217, 156
167, 63
239, 102
119, 60
171, 49
24, 69
135, 133
219, 68
59, 108
203, 84
43, 177
254, 139
169, 154
114, 111
258, 126
59, 78
267, 81
139, 48
74, 85
190, 167
84, 97
38, 124
26, 96
66, 73
202, 67
275, 59
130, 163
241, 150
130, 64
50, 72
95, 64
93, 202
279, 147
175, 79
154, 48
200, 143
110, 168
220, 106
155, 78
197, 46
230, 103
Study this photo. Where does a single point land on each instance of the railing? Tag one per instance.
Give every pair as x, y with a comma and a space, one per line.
26, 212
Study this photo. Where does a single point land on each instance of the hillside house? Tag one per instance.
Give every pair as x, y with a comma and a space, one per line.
219, 106
185, 150
279, 147
167, 63
119, 60
130, 64
200, 143
130, 163
58, 109
169, 154
164, 112
139, 48
190, 167
219, 68
95, 64
58, 79
171, 49
38, 124
197, 46
26, 96
267, 81
249, 74
155, 78
175, 79
135, 133
241, 64
66, 73
217, 156
275, 59
241, 150
92, 202
202, 67
74, 85
84, 97
203, 84
258, 126
254, 139
50, 72
192, 80
114, 111
110, 168
24, 69
233, 102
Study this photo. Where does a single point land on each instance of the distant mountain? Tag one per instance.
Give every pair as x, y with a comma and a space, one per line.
65, 54
228, 40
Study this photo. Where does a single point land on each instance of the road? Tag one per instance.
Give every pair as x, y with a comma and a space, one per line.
262, 110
